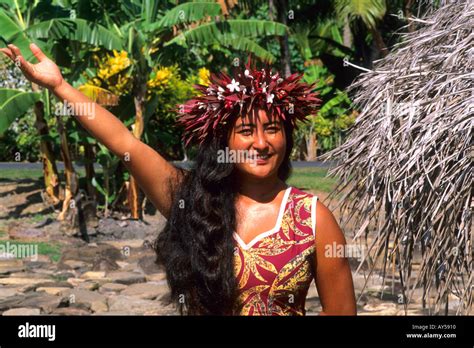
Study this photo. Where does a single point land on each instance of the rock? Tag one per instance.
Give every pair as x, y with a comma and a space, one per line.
28, 275
96, 301
65, 274
43, 259
22, 311
8, 292
112, 287
51, 291
40, 265
132, 305
148, 265
52, 284
70, 311
47, 303
156, 277
380, 309
93, 275
126, 278
104, 264
145, 291
75, 264
45, 272
88, 285
92, 254
22, 281
130, 229
11, 266
17, 231
75, 281
123, 244
127, 266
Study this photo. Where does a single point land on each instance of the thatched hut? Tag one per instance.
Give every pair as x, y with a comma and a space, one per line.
406, 167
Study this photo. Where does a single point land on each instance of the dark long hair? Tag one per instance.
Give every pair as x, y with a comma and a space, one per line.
196, 246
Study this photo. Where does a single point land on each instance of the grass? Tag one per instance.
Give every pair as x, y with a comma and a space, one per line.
48, 249
12, 174
35, 174
312, 179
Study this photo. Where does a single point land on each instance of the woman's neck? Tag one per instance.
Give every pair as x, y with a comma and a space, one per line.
261, 190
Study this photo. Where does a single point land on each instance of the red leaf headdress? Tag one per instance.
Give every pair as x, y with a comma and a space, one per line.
227, 97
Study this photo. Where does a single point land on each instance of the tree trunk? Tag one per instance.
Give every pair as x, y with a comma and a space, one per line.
312, 146
282, 6
50, 171
271, 10
407, 13
71, 177
379, 43
133, 189
347, 33
89, 156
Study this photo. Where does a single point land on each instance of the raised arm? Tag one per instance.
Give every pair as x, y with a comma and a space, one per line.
152, 172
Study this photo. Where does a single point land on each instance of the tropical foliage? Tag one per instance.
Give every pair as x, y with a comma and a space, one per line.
140, 59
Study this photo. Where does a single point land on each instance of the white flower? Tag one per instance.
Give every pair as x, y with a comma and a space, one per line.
233, 86
264, 87
270, 98
221, 89
246, 72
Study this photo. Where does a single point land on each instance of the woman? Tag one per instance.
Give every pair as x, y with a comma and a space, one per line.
238, 240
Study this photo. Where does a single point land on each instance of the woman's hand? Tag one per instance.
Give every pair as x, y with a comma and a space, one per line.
45, 73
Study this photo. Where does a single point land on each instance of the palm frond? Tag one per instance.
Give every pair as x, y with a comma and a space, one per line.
406, 166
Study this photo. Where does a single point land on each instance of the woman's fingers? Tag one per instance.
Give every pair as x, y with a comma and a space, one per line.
7, 52
37, 52
20, 61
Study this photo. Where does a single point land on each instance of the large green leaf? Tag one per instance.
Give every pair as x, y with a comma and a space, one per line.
189, 12
149, 10
370, 11
338, 99
246, 45
76, 29
210, 32
13, 104
12, 33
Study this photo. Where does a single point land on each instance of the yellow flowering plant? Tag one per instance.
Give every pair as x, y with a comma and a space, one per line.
112, 73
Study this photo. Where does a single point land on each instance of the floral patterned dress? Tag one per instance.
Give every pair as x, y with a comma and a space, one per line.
275, 270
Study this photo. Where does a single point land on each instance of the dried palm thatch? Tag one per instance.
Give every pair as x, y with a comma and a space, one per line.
406, 167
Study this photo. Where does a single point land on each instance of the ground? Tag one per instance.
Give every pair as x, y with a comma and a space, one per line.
115, 272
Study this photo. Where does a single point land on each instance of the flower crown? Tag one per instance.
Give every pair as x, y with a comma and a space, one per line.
227, 97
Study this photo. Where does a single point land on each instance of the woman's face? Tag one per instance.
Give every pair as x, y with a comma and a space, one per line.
263, 141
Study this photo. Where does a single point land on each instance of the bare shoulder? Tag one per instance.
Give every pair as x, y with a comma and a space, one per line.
327, 227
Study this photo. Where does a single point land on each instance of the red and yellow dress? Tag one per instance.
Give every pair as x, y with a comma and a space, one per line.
274, 271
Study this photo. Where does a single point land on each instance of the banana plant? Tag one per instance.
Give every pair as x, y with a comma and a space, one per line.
20, 27
12, 32
152, 35
149, 31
